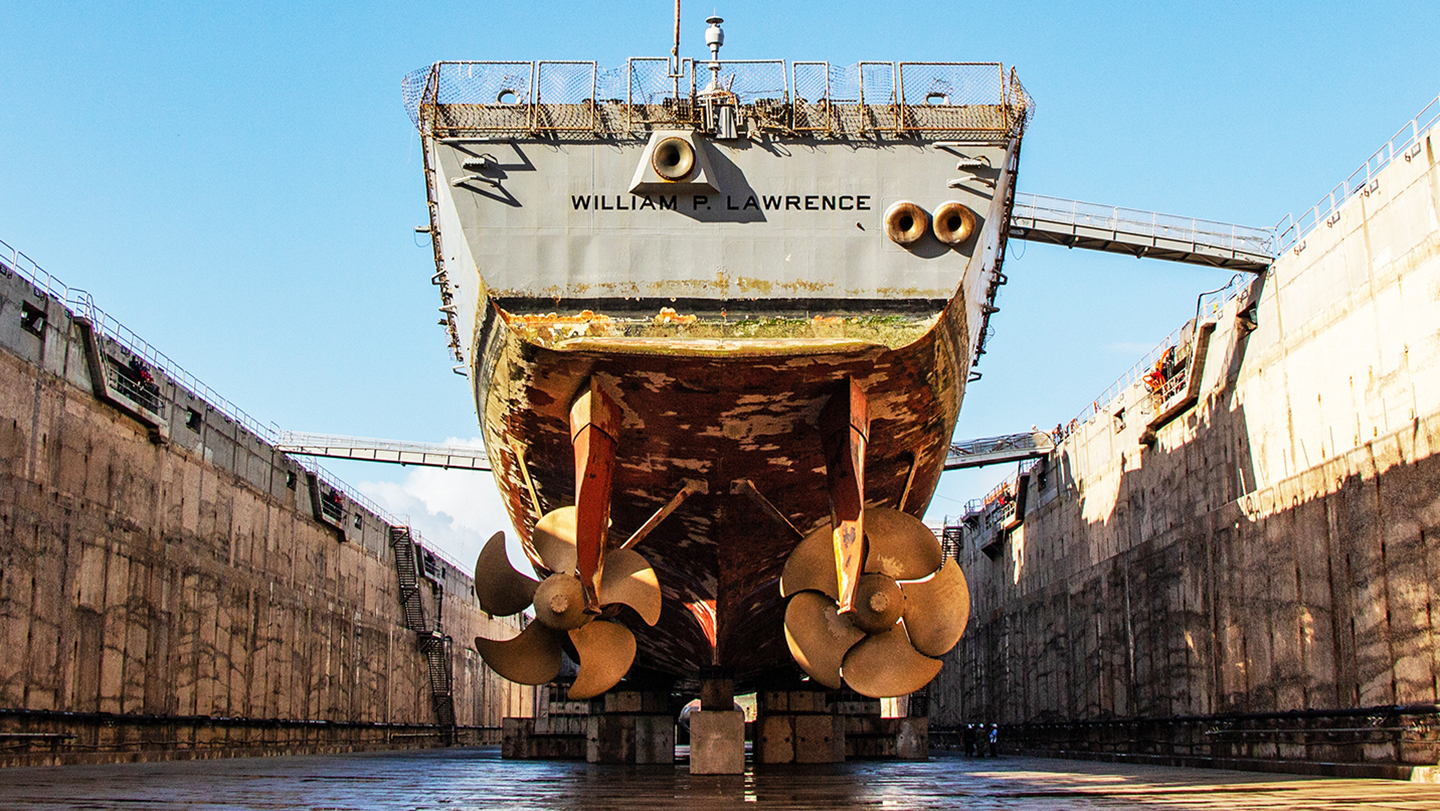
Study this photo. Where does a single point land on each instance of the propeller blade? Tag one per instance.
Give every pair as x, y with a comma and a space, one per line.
818, 636
606, 650
887, 665
812, 566
627, 578
554, 540
501, 590
900, 545
937, 609
533, 657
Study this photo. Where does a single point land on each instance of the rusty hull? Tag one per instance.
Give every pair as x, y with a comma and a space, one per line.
719, 418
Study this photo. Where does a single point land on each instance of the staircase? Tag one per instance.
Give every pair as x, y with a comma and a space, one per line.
437, 650
433, 644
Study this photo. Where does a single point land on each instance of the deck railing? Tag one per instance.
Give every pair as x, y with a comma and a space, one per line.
468, 99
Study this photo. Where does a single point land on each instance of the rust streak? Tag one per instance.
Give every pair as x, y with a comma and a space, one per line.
845, 428
594, 425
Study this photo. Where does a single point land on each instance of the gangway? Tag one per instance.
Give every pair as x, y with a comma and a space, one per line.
997, 450
968, 453
361, 449
1077, 224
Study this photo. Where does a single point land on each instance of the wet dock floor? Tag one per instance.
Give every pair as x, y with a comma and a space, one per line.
466, 779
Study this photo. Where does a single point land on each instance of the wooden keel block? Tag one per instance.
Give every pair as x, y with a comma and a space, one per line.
594, 429
845, 431
717, 742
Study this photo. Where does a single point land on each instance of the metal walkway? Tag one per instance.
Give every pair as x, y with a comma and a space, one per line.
997, 450
1077, 224
969, 453
462, 457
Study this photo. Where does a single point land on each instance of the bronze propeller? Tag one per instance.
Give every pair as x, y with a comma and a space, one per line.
605, 649
909, 608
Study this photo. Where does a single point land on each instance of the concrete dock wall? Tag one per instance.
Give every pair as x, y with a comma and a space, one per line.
167, 588
1256, 581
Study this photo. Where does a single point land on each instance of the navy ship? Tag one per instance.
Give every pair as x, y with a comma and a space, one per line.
719, 317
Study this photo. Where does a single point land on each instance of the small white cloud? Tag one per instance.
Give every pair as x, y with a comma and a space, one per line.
455, 511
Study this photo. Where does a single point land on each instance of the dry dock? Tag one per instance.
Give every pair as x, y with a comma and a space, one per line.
172, 586
1232, 557
472, 779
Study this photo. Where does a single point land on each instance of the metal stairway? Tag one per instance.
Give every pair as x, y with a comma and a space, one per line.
437, 650
434, 644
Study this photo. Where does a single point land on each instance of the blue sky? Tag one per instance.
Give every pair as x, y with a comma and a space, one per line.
239, 182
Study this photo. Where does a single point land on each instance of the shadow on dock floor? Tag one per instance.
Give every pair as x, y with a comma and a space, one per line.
465, 779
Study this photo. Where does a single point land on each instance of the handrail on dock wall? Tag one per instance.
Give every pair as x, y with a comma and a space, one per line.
1207, 308
1288, 234
80, 304
1290, 231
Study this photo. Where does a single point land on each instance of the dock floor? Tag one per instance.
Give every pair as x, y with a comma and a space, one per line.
470, 779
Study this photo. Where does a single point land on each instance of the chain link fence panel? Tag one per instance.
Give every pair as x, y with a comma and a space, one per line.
877, 97
483, 96
565, 96
952, 97
412, 90
655, 95
810, 109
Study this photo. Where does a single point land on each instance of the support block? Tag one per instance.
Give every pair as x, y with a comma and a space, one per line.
775, 738
654, 739
912, 742
819, 739
717, 693
717, 742
792, 702
610, 739
647, 702
772, 701
853, 704
799, 738
519, 741
639, 739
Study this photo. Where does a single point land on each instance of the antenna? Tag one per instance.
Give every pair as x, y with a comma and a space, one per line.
714, 38
675, 52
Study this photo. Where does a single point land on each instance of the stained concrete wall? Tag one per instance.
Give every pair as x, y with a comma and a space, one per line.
178, 598
1275, 549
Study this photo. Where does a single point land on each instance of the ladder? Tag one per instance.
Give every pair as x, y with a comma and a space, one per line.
434, 645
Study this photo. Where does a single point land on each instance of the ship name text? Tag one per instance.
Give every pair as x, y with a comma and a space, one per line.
698, 202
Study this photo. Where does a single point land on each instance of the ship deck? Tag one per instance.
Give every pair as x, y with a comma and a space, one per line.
478, 778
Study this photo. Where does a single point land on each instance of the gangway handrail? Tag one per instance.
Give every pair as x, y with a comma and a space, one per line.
1078, 223
1212, 233
402, 452
998, 449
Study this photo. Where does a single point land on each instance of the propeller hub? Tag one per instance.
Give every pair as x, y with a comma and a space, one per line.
878, 603
560, 602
